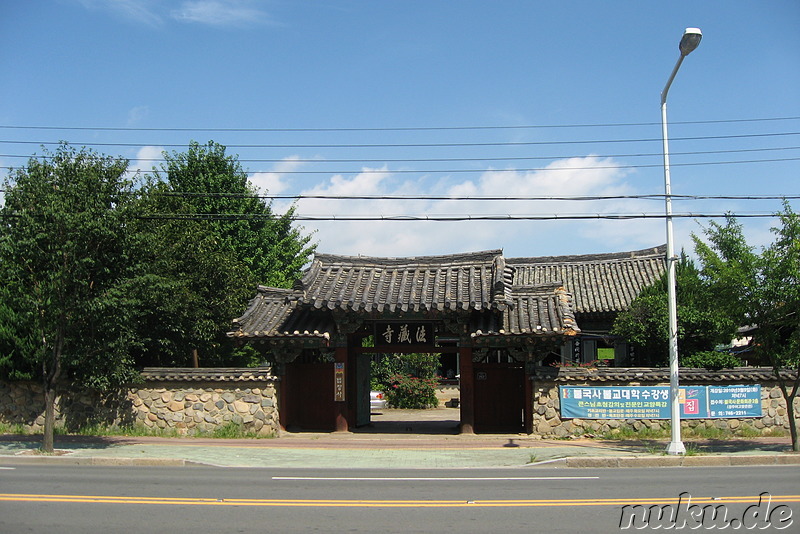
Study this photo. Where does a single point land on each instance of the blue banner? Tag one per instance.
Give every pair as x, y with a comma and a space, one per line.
652, 402
734, 401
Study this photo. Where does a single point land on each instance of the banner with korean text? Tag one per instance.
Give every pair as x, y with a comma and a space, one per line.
652, 402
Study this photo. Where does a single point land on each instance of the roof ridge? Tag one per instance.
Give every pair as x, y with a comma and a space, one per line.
652, 252
485, 255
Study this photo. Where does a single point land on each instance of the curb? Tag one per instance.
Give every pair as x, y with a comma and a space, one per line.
94, 460
680, 461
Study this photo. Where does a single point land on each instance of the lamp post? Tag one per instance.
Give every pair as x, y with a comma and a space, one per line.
689, 41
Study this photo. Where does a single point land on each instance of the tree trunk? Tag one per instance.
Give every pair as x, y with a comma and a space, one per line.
51, 375
789, 397
48, 438
195, 359
792, 424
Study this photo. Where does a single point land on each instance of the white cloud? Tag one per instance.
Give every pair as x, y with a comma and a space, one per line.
137, 114
207, 12
146, 158
219, 12
274, 182
587, 176
140, 11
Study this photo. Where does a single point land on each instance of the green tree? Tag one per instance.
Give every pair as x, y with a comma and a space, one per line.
701, 325
761, 290
213, 184
186, 294
208, 239
64, 261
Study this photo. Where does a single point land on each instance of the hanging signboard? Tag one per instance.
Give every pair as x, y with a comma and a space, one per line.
338, 382
390, 335
652, 402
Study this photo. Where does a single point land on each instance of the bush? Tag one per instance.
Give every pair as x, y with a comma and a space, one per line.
712, 360
382, 368
411, 392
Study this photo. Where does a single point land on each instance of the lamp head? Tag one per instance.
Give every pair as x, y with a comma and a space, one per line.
690, 40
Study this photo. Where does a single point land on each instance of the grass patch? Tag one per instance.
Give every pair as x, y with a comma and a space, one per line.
16, 428
233, 430
692, 449
629, 433
697, 432
230, 430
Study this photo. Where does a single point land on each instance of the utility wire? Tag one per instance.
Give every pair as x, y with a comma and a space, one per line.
454, 218
433, 217
387, 129
577, 198
431, 160
430, 145
529, 169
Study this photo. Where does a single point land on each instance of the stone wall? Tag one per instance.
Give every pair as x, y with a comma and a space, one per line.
187, 401
547, 420
203, 408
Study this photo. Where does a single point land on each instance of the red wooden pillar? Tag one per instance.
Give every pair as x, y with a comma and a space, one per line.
341, 407
283, 403
467, 390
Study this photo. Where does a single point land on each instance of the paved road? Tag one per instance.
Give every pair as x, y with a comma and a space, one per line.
88, 499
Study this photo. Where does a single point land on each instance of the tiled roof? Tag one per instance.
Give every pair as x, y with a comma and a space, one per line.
274, 313
598, 282
646, 374
521, 296
476, 281
543, 310
213, 374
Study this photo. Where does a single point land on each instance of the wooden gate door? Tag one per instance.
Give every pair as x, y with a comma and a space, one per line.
499, 397
310, 397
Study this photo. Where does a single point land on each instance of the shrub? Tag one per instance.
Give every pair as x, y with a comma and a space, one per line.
411, 392
712, 360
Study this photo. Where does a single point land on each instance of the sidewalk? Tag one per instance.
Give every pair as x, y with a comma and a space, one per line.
429, 442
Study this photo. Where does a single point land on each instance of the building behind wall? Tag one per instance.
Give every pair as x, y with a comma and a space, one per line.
602, 286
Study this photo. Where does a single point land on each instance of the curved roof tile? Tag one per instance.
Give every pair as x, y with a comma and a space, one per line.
599, 283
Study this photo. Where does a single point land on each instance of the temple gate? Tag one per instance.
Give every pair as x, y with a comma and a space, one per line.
463, 304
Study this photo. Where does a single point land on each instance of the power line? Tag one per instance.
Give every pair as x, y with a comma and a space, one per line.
451, 160
431, 145
386, 129
455, 218
436, 218
568, 198
529, 169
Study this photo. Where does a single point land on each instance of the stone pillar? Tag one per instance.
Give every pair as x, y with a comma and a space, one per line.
467, 390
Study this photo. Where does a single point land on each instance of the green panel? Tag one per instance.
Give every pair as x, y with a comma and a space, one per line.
605, 353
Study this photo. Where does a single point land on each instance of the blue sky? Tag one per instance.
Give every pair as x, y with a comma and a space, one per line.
508, 98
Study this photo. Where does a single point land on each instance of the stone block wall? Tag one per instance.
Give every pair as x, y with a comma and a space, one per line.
547, 420
187, 401
202, 408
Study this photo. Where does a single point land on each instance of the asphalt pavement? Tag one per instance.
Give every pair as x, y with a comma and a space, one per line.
396, 439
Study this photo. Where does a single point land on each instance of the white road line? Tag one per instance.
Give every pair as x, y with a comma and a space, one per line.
418, 479
9, 468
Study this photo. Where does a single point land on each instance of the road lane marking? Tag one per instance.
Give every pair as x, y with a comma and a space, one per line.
8, 468
422, 479
366, 503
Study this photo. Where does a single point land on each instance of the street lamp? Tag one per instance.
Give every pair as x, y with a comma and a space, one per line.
689, 41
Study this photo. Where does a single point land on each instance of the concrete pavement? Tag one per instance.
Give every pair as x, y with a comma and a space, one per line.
395, 439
